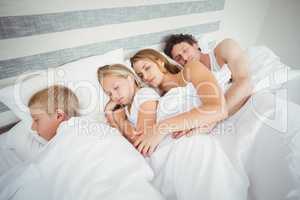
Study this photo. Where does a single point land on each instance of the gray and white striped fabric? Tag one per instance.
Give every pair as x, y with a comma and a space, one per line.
38, 34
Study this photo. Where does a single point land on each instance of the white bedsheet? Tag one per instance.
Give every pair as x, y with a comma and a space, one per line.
85, 160
19, 144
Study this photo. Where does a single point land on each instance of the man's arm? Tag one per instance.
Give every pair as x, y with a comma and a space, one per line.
231, 53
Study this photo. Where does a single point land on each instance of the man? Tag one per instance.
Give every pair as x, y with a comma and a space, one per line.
183, 48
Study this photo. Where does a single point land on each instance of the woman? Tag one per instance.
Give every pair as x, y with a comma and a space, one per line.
206, 98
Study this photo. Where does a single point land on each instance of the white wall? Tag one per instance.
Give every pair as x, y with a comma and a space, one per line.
281, 29
275, 24
243, 20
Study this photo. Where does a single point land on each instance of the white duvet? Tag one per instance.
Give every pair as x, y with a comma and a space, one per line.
85, 160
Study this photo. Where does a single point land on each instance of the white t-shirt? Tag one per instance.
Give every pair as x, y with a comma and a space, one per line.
141, 96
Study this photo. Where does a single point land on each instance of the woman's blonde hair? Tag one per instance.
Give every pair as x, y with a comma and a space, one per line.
155, 57
117, 70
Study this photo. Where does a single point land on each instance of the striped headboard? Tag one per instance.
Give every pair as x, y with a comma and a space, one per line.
38, 34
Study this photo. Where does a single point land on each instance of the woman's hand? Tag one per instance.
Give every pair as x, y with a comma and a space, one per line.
147, 142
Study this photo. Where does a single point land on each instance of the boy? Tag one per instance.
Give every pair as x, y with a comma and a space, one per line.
86, 160
51, 106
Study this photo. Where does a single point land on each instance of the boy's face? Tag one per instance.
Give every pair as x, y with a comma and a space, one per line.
44, 124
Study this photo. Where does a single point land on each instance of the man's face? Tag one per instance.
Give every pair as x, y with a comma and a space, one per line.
184, 52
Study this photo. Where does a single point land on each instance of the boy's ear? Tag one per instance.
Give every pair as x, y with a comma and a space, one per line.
60, 115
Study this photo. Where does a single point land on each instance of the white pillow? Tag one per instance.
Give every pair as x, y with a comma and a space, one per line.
80, 76
207, 42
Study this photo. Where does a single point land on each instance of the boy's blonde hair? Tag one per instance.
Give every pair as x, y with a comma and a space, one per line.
117, 70
53, 98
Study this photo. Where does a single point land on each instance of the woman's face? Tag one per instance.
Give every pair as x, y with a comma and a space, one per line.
149, 72
119, 89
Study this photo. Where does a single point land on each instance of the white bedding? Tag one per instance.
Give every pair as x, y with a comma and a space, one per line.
19, 144
85, 160
270, 158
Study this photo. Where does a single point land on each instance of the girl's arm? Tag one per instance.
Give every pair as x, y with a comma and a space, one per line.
124, 126
117, 119
213, 108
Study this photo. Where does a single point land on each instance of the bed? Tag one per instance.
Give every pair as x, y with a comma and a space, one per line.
70, 41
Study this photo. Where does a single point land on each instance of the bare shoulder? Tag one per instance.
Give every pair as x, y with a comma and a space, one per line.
235, 57
227, 49
227, 43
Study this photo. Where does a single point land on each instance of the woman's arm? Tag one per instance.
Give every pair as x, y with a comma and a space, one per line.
145, 123
212, 109
146, 115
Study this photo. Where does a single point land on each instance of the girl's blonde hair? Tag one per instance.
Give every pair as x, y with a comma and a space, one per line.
155, 57
117, 70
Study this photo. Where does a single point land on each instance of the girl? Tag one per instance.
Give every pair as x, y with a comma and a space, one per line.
189, 167
125, 90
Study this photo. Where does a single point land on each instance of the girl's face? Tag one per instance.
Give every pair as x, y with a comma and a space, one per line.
149, 72
119, 89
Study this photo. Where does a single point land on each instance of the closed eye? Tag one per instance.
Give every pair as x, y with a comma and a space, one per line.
108, 93
177, 58
140, 75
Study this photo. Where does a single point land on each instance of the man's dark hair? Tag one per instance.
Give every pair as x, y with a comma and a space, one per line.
172, 40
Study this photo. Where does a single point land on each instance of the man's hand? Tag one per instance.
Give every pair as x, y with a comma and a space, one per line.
203, 129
